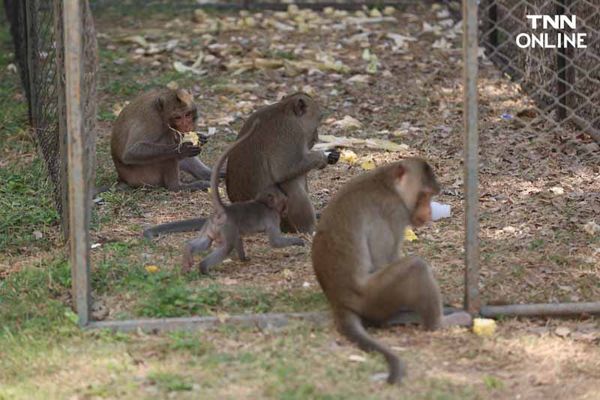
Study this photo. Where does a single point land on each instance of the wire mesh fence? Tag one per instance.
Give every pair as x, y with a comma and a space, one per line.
539, 81
256, 4
37, 29
551, 49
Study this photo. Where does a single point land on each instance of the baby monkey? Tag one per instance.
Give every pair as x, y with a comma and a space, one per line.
229, 223
357, 255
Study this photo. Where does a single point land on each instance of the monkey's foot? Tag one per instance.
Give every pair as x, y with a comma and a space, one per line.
459, 318
186, 267
199, 186
203, 269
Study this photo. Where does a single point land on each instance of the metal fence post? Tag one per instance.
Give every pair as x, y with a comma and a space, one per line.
492, 20
564, 69
78, 202
471, 164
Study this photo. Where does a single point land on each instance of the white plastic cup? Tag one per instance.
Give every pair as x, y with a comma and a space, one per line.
439, 211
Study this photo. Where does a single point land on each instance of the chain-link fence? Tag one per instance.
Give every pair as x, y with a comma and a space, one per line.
37, 30
256, 4
539, 44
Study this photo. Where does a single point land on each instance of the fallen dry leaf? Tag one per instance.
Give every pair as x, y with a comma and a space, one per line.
331, 141
382, 144
181, 68
562, 331
591, 228
360, 79
137, 39
348, 123
356, 358
400, 41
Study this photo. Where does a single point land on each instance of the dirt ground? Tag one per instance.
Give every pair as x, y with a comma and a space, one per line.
537, 193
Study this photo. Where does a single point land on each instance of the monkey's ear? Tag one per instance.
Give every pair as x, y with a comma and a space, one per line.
184, 96
400, 171
159, 103
300, 107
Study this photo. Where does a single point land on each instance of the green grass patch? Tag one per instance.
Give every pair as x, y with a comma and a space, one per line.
492, 383
26, 204
170, 382
26, 208
33, 299
172, 298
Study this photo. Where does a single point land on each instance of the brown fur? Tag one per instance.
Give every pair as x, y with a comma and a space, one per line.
357, 254
229, 223
279, 154
145, 146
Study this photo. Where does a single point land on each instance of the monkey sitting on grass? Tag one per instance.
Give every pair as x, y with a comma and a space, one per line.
148, 145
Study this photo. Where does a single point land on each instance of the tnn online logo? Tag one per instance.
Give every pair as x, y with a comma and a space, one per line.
554, 39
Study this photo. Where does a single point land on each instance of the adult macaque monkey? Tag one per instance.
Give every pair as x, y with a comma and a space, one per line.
278, 154
357, 255
229, 223
146, 143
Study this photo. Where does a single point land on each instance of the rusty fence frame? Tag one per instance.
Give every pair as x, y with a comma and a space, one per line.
79, 234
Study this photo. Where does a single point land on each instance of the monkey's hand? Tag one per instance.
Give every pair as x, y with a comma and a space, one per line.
333, 156
203, 139
187, 149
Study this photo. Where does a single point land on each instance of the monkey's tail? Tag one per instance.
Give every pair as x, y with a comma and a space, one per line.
214, 176
188, 225
351, 326
101, 189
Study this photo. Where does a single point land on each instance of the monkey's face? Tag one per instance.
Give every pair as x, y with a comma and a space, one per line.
184, 120
429, 188
421, 214
416, 184
278, 202
275, 200
178, 110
